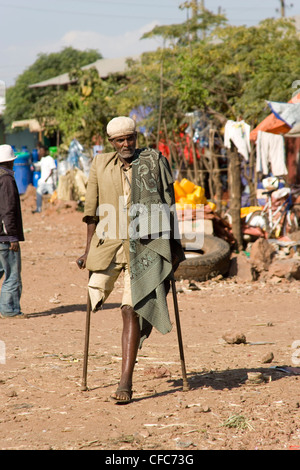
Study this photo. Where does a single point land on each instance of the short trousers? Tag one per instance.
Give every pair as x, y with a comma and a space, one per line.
101, 284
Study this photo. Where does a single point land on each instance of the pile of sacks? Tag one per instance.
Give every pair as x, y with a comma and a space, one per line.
72, 186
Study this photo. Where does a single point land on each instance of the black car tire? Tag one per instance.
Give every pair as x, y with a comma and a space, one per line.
210, 260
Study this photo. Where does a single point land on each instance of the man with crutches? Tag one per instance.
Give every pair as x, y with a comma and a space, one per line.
125, 235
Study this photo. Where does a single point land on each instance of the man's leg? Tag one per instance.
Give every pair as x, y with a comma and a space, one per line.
130, 344
43, 188
39, 197
130, 341
10, 264
100, 286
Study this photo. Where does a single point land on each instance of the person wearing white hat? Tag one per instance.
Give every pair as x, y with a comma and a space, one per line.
11, 233
118, 181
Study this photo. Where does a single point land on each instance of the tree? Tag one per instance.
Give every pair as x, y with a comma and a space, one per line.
201, 20
82, 110
229, 75
21, 99
239, 68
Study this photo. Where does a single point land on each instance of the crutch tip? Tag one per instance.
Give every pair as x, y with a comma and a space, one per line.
185, 387
83, 388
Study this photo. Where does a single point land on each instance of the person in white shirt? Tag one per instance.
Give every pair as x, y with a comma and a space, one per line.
46, 183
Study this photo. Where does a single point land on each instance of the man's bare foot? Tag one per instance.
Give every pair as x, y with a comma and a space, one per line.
122, 395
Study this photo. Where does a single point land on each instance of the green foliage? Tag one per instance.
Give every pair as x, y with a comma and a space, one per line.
203, 21
253, 65
81, 111
21, 99
238, 422
231, 73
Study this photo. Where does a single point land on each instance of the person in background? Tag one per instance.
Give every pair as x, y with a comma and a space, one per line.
46, 183
11, 233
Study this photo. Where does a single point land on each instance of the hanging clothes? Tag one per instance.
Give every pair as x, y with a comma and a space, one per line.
238, 132
270, 154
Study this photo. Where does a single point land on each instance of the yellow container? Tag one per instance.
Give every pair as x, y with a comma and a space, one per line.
191, 198
187, 185
179, 191
186, 202
199, 195
183, 200
212, 205
247, 210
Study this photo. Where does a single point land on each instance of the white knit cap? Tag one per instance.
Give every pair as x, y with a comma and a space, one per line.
119, 126
6, 153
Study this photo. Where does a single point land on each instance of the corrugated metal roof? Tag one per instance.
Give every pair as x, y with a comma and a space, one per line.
32, 124
105, 68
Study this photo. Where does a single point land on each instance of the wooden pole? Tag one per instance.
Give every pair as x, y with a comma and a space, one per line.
192, 146
179, 336
234, 178
216, 176
160, 104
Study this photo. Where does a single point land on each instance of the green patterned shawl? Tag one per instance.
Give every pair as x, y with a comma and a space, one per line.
151, 254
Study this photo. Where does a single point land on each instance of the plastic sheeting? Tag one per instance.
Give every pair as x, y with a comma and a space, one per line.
273, 124
287, 112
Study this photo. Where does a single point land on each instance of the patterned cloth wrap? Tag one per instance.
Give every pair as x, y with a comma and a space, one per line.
155, 245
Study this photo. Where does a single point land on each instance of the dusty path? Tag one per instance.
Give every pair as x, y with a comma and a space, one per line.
42, 406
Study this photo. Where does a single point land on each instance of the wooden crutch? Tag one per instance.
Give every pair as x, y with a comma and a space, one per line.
86, 344
87, 335
179, 336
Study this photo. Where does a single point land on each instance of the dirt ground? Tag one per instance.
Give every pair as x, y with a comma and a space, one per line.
41, 403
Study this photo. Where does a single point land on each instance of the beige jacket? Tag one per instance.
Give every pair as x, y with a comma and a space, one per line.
104, 200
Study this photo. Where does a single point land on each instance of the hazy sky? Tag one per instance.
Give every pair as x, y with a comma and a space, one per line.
28, 27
